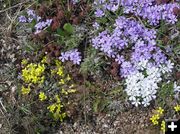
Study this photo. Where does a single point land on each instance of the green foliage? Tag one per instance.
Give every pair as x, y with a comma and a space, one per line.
92, 63
165, 94
68, 28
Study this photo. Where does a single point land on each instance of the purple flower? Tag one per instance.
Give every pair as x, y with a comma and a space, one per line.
72, 55
99, 13
22, 19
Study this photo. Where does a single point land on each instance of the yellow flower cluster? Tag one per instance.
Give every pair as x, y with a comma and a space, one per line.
163, 126
155, 118
32, 73
42, 96
177, 108
25, 90
56, 109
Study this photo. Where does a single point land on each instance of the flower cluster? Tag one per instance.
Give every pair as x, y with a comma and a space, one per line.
33, 73
72, 55
31, 15
56, 109
155, 118
147, 9
144, 67
25, 90
40, 24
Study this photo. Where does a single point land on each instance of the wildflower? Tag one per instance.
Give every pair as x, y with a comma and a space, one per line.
44, 60
72, 55
24, 62
22, 19
163, 128
160, 110
177, 108
99, 13
176, 87
155, 119
64, 92
51, 107
25, 90
62, 82
42, 96
32, 73
68, 78
60, 71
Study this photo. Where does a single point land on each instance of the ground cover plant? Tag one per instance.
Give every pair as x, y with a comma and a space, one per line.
89, 66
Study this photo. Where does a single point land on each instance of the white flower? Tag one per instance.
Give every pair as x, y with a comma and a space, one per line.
136, 102
176, 87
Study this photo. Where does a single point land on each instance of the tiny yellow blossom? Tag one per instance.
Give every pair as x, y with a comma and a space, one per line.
68, 78
60, 71
160, 110
57, 99
44, 60
71, 91
51, 108
155, 119
177, 108
163, 128
24, 62
64, 92
42, 96
62, 82
72, 85
25, 90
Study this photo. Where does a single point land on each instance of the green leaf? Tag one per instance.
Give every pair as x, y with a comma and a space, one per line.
60, 32
68, 28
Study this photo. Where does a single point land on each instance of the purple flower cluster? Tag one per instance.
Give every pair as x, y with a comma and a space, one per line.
30, 17
132, 35
142, 63
40, 24
147, 9
72, 55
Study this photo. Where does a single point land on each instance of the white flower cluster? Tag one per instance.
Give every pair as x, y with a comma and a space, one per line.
142, 85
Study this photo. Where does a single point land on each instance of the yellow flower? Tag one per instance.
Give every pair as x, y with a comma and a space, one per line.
160, 110
62, 82
24, 62
155, 119
68, 77
71, 90
51, 108
42, 96
44, 60
163, 128
25, 90
32, 73
177, 108
60, 71
57, 99
64, 92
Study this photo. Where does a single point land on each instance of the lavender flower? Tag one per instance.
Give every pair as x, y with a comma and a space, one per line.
99, 13
72, 55
22, 19
146, 63
42, 25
